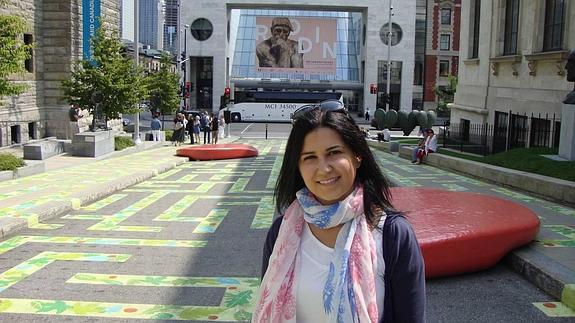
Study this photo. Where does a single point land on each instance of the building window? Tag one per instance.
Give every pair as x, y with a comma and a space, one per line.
15, 134
553, 34
446, 16
476, 15
32, 130
443, 68
418, 74
511, 27
444, 42
29, 62
201, 29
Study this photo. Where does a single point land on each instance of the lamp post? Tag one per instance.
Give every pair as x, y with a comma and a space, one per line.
389, 40
183, 63
137, 139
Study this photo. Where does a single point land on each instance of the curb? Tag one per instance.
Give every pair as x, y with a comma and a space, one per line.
543, 272
9, 226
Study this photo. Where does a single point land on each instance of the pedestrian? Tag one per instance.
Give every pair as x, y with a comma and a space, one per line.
214, 123
197, 129
339, 252
420, 145
190, 128
74, 115
205, 126
222, 126
178, 134
367, 114
156, 126
429, 146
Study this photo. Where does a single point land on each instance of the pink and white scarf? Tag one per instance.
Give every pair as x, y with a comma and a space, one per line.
349, 292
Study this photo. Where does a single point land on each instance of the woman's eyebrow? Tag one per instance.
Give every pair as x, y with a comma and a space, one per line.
328, 149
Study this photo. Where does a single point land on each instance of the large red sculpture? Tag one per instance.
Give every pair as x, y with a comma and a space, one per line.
213, 152
464, 232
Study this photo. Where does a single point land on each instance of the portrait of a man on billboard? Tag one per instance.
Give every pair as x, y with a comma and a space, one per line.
278, 50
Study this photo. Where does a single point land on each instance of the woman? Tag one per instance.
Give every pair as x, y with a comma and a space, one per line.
430, 146
197, 129
222, 126
178, 134
214, 122
339, 252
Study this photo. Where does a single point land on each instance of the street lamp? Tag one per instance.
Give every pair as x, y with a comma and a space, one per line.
389, 42
137, 139
183, 60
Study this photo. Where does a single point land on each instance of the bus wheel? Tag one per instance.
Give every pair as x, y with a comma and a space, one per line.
236, 117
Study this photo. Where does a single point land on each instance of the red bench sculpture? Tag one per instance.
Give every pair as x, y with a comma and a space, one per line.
214, 152
464, 232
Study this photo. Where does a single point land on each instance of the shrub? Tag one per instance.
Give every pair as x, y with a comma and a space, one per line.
10, 162
121, 143
169, 134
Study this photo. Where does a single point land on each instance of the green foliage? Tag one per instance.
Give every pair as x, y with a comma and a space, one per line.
10, 162
445, 94
402, 119
13, 52
390, 118
527, 160
379, 117
163, 87
112, 74
168, 133
121, 143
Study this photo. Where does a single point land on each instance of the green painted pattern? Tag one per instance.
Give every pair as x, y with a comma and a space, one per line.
132, 311
264, 214
17, 241
240, 283
210, 223
564, 230
104, 202
561, 209
111, 223
454, 187
555, 309
275, 171
168, 173
43, 259
173, 213
517, 196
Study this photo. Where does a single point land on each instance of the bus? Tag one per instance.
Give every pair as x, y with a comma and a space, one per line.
273, 106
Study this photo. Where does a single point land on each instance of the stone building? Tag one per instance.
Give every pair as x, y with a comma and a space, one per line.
513, 56
442, 46
56, 28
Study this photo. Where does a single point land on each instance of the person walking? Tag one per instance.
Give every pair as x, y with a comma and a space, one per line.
367, 114
190, 128
197, 129
222, 126
339, 252
156, 126
178, 134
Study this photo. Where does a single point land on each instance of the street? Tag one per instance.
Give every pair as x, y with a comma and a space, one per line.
186, 245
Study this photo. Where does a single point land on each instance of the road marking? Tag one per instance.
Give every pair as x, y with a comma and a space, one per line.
251, 124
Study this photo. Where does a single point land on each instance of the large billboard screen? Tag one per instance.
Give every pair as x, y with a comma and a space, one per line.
296, 45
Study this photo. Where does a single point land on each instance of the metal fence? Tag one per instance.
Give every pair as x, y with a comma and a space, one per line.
509, 131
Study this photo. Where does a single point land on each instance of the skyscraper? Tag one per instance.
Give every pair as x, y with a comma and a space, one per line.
151, 21
171, 29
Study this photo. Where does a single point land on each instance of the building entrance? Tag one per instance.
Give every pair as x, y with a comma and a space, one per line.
201, 73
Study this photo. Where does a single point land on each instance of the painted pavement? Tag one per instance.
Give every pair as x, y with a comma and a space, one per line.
184, 245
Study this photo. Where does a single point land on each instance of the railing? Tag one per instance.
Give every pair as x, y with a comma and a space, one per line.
518, 131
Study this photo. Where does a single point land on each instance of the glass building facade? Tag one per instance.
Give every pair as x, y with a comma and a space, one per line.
348, 45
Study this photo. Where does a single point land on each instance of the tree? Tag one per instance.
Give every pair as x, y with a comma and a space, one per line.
445, 94
163, 87
13, 52
111, 74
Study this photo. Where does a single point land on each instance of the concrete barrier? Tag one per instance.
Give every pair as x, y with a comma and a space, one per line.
549, 187
41, 150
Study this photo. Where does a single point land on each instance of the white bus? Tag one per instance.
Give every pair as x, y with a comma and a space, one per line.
273, 106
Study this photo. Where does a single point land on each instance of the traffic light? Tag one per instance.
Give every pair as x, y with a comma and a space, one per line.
191, 86
183, 58
226, 95
373, 88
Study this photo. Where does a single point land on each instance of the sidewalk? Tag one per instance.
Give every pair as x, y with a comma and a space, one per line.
70, 182
548, 262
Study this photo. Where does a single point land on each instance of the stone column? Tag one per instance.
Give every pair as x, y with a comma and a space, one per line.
567, 139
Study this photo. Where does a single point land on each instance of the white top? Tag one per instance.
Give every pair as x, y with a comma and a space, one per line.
386, 134
312, 275
431, 143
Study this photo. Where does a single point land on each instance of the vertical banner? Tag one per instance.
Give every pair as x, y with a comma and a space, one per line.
296, 45
91, 23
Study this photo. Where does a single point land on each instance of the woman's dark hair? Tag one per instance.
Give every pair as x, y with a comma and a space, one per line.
376, 193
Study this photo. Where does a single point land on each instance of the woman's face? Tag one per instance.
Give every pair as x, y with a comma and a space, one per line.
327, 165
